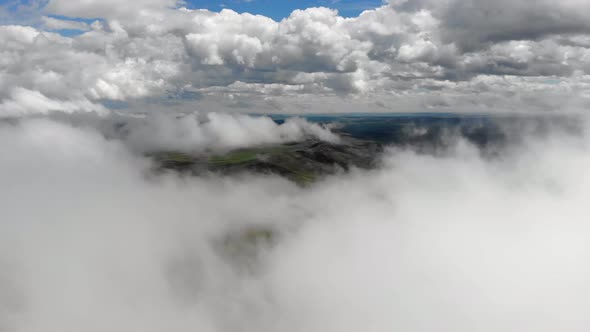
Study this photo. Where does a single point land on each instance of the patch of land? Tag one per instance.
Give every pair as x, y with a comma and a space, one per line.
302, 162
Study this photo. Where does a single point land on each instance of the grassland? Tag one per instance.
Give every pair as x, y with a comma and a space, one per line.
234, 158
301, 162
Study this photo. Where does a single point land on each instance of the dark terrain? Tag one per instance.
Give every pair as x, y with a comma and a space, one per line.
302, 162
364, 138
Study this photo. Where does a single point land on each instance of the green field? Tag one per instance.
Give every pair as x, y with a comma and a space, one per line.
175, 158
238, 157
284, 160
244, 156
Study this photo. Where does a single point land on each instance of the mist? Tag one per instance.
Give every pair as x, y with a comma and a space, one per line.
196, 132
92, 240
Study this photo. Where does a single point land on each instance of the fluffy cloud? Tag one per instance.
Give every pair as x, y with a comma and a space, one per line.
471, 22
106, 8
26, 102
451, 242
205, 132
237, 61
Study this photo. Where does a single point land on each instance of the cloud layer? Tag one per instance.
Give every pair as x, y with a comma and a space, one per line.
198, 132
453, 242
404, 56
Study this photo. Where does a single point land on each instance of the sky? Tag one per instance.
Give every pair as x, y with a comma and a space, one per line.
294, 56
278, 10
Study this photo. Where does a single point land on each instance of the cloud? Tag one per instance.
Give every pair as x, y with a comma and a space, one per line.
105, 8
26, 102
51, 23
452, 242
198, 133
468, 22
233, 59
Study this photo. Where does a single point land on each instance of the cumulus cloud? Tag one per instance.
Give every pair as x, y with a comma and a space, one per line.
106, 8
395, 51
207, 132
451, 242
24, 102
479, 21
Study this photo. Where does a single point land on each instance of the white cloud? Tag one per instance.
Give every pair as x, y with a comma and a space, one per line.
25, 102
454, 242
393, 51
106, 8
51, 23
216, 131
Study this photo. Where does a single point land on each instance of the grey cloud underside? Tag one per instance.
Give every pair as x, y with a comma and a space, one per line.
401, 56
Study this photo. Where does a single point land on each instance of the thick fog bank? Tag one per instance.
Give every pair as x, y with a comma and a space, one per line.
91, 241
